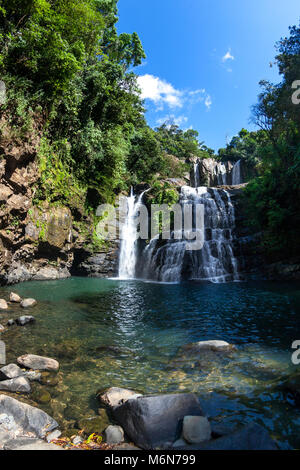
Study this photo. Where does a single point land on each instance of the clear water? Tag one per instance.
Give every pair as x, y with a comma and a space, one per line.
79, 317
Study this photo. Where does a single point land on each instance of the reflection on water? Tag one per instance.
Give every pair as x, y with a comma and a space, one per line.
111, 333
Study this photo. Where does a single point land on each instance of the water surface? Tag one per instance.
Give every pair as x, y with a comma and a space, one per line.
127, 333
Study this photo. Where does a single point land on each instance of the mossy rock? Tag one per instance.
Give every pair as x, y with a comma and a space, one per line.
72, 412
51, 380
41, 396
96, 424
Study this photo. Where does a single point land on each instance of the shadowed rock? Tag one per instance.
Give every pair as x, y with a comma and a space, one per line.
156, 421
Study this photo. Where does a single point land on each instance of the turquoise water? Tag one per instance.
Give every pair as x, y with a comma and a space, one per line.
128, 333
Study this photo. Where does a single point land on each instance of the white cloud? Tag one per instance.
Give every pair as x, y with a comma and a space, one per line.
227, 56
159, 91
208, 102
165, 96
171, 119
197, 92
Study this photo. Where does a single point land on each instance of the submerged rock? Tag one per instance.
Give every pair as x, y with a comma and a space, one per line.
95, 424
156, 421
291, 387
41, 396
31, 361
196, 429
212, 345
13, 297
49, 379
26, 303
25, 319
3, 304
18, 384
115, 396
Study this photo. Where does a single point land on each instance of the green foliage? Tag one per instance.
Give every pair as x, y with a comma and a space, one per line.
245, 146
182, 144
274, 196
164, 193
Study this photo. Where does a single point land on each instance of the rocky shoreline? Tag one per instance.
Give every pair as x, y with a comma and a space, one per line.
126, 420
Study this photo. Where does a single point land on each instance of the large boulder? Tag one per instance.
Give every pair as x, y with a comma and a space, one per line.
31, 361
116, 396
21, 420
156, 421
250, 437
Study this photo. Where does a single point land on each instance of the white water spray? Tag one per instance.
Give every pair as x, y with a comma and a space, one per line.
128, 250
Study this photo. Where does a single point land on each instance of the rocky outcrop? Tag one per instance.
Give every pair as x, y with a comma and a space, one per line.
288, 270
156, 421
210, 172
19, 420
101, 264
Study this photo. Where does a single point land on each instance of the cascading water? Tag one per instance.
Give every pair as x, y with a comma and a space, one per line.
169, 261
196, 175
237, 174
128, 250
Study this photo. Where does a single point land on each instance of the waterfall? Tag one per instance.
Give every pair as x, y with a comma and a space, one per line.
236, 174
128, 250
221, 174
196, 175
169, 261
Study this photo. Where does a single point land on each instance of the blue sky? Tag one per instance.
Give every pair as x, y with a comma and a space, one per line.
205, 59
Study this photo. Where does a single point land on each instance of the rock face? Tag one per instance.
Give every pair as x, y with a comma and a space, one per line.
21, 420
156, 421
210, 172
115, 396
101, 264
196, 429
31, 361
